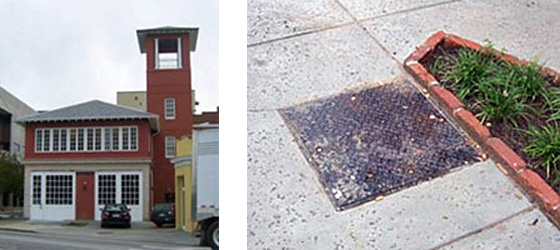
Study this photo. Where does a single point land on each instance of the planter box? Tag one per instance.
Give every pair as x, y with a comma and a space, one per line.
504, 156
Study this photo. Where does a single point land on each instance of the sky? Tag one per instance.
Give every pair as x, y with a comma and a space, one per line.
59, 53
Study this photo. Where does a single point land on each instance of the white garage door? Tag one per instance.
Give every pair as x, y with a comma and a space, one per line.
119, 187
52, 196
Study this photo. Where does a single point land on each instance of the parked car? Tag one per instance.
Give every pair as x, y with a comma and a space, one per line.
163, 213
115, 214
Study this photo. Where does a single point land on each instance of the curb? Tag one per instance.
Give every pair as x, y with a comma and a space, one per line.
509, 162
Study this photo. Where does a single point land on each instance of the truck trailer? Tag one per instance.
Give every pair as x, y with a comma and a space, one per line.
205, 196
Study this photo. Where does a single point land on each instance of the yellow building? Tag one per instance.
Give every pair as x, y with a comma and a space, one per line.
133, 99
138, 99
183, 179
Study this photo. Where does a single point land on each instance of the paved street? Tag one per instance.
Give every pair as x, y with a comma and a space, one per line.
23, 234
32, 241
300, 51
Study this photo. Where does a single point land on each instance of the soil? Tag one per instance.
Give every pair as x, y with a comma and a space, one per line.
513, 137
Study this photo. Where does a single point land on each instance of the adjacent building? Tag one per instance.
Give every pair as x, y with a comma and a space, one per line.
138, 99
183, 185
12, 134
184, 175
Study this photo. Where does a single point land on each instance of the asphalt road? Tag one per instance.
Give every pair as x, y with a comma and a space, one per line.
10, 240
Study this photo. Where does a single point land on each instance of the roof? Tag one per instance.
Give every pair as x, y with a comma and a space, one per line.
92, 111
205, 126
167, 30
210, 117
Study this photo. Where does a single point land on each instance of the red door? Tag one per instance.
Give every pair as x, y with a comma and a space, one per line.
84, 195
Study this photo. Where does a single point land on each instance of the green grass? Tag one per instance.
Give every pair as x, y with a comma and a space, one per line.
507, 94
496, 90
499, 103
545, 145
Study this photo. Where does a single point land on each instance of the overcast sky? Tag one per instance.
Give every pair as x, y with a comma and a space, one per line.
59, 53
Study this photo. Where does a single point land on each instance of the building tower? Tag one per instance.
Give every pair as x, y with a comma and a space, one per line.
169, 88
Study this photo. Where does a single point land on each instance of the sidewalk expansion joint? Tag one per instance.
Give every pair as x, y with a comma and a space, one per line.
303, 33
407, 10
487, 227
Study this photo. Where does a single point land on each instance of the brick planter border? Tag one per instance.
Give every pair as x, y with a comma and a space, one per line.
506, 159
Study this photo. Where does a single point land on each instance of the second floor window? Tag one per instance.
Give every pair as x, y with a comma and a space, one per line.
86, 139
169, 108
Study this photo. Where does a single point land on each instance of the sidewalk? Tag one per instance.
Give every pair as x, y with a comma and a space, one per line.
300, 52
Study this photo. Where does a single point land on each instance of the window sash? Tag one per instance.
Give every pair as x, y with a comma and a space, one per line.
86, 139
169, 108
169, 146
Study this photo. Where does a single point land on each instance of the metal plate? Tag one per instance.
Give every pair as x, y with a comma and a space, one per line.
375, 142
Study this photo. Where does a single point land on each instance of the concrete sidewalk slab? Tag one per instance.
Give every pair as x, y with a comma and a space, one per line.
299, 69
362, 9
286, 205
525, 28
529, 230
269, 20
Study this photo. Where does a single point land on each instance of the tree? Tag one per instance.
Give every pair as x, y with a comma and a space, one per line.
11, 175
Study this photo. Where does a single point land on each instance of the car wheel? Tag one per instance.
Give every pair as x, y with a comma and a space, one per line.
128, 225
158, 224
103, 225
211, 236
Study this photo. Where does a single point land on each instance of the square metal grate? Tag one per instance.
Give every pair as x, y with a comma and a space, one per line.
375, 142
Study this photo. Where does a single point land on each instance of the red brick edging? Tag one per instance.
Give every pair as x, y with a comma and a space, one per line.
504, 156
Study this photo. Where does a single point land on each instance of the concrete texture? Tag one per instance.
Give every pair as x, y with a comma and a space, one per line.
528, 230
474, 206
367, 9
269, 20
527, 29
287, 72
287, 207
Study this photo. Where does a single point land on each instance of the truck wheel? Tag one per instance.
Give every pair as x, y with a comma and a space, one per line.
211, 236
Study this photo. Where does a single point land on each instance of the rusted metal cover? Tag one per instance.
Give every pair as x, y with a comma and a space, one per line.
368, 144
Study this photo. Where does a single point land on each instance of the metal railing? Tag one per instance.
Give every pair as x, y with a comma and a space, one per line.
171, 63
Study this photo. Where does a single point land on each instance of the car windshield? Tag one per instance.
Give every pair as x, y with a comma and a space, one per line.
115, 207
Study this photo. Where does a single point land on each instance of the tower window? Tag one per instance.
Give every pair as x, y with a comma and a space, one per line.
169, 108
169, 146
168, 53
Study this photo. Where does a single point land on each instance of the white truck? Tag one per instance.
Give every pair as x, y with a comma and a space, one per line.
206, 208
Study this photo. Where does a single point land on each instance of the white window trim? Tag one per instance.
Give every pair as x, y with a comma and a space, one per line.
85, 150
156, 54
170, 117
167, 155
179, 56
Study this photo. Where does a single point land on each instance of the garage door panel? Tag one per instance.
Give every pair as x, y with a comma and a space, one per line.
53, 196
119, 187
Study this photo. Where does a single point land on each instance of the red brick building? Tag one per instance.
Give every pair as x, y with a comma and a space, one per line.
81, 157
169, 91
